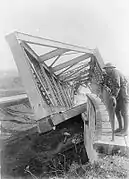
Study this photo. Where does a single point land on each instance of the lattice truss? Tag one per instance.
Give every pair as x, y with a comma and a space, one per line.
56, 69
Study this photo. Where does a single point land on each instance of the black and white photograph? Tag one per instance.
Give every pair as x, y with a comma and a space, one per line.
64, 89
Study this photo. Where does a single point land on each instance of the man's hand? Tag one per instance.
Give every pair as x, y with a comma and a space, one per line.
113, 101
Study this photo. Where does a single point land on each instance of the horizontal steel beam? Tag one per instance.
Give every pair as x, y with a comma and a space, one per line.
74, 111
66, 69
76, 71
50, 43
58, 118
77, 78
52, 54
71, 62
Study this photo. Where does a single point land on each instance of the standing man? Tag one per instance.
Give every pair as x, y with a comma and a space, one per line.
119, 87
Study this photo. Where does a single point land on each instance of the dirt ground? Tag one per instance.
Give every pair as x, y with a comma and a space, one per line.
107, 167
70, 165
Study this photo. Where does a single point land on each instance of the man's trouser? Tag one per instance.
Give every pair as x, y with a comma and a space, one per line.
122, 108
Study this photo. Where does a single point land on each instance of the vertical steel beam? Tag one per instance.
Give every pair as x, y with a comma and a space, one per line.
63, 94
54, 61
38, 104
67, 93
58, 92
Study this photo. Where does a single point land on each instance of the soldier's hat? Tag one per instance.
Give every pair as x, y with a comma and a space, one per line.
109, 65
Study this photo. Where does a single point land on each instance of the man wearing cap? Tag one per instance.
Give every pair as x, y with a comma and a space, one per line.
119, 87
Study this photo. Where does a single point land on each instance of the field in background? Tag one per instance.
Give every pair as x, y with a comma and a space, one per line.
10, 84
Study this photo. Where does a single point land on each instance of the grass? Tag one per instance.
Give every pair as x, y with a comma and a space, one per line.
107, 167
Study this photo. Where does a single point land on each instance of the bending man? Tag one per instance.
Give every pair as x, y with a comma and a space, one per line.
119, 87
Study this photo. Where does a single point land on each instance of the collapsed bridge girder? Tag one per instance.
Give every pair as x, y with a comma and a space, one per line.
51, 72
51, 75
42, 81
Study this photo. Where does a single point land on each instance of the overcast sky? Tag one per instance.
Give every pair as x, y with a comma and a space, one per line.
101, 23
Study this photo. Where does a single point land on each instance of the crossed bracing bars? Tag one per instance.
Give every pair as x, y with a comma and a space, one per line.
74, 70
50, 84
66, 70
